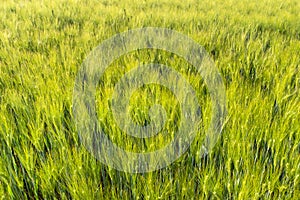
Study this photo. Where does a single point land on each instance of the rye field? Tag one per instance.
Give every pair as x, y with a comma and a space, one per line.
255, 45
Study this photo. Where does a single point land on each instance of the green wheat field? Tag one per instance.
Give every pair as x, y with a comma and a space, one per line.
255, 46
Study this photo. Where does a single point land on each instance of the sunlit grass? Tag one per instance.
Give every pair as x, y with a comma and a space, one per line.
255, 46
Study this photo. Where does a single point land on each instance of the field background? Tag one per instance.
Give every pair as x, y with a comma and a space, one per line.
256, 47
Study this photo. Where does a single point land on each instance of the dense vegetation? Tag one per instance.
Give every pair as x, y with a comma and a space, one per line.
255, 46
